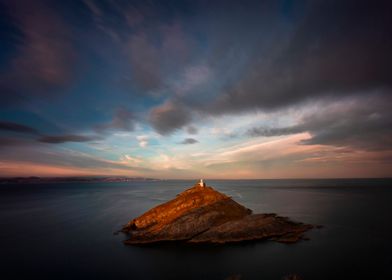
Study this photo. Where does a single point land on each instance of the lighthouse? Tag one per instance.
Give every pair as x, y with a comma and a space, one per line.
201, 183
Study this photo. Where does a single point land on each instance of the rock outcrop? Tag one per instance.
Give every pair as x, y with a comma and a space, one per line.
204, 215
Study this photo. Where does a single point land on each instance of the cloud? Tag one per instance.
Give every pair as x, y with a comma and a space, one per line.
169, 117
44, 57
256, 150
16, 127
275, 131
58, 139
39, 155
143, 140
282, 157
193, 79
329, 50
93, 7
131, 159
145, 58
122, 120
363, 124
158, 50
192, 130
170, 162
6, 142
43, 138
337, 50
317, 71
188, 141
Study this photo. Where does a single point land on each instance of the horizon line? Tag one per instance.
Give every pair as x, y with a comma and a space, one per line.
188, 179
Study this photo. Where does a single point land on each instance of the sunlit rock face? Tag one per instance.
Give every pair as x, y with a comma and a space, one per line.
204, 215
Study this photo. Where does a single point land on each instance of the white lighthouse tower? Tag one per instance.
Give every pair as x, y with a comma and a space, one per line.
201, 183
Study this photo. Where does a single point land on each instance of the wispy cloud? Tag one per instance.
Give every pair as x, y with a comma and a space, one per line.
45, 55
362, 123
16, 127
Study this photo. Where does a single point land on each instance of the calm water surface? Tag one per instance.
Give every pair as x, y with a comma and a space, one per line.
65, 231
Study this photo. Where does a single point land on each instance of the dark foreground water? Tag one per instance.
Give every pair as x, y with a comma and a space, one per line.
65, 231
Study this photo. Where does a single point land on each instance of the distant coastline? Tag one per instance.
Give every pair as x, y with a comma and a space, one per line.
330, 182
35, 179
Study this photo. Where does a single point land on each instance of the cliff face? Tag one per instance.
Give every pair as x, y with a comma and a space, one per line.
203, 215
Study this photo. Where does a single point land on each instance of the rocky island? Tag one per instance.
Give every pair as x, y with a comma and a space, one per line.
204, 215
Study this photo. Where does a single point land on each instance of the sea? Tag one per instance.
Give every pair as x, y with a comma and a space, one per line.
65, 231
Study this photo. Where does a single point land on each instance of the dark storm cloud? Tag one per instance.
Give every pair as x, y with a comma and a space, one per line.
16, 127
364, 124
122, 120
58, 139
188, 141
262, 55
340, 48
331, 49
168, 117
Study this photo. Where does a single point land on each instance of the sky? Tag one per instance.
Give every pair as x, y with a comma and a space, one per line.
196, 89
